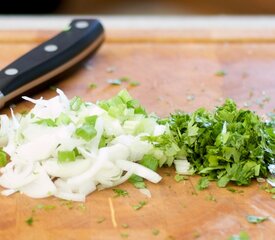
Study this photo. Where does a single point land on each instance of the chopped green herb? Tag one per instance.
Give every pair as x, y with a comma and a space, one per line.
125, 225
92, 85
233, 190
137, 181
76, 103
242, 236
220, 73
66, 156
140, 205
134, 83
47, 121
3, 159
211, 198
255, 219
196, 234
228, 144
179, 178
124, 79
124, 235
81, 207
155, 232
202, 184
120, 192
29, 221
45, 207
115, 82
100, 220
69, 204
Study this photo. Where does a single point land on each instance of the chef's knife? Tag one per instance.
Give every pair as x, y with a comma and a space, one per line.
51, 58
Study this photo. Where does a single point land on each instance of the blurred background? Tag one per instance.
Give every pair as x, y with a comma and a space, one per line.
137, 7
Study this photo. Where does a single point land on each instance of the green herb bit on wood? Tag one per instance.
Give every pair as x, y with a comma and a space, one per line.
211, 198
155, 232
255, 219
45, 207
124, 79
220, 73
233, 190
92, 85
202, 184
100, 220
180, 178
125, 225
140, 205
120, 192
124, 235
29, 221
134, 83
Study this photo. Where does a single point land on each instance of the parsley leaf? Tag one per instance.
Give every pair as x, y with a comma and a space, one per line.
179, 178
120, 192
228, 144
203, 183
140, 205
29, 221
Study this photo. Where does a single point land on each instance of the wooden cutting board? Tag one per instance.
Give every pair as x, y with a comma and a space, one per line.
176, 70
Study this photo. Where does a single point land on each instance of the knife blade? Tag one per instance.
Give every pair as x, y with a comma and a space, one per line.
51, 58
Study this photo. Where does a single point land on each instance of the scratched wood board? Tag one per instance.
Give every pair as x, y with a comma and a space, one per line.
175, 71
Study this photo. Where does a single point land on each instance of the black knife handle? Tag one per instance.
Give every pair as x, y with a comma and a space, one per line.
49, 59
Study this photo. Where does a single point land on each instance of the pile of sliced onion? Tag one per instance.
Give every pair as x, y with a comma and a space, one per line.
34, 169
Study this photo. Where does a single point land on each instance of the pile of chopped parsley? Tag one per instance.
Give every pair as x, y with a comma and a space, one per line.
227, 144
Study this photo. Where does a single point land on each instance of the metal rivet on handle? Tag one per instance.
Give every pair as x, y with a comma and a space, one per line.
50, 48
11, 71
81, 24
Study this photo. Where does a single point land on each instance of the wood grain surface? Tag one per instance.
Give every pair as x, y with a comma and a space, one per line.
171, 73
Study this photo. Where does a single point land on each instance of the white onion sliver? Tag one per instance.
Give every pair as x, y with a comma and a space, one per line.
77, 197
8, 192
146, 192
139, 170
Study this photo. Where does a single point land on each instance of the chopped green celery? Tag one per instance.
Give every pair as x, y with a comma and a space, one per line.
3, 159
47, 121
86, 132
122, 106
125, 96
149, 161
76, 103
130, 126
66, 156
146, 125
63, 119
91, 120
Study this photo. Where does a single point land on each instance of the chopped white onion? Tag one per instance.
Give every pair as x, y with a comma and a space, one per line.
182, 167
34, 141
146, 192
139, 170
